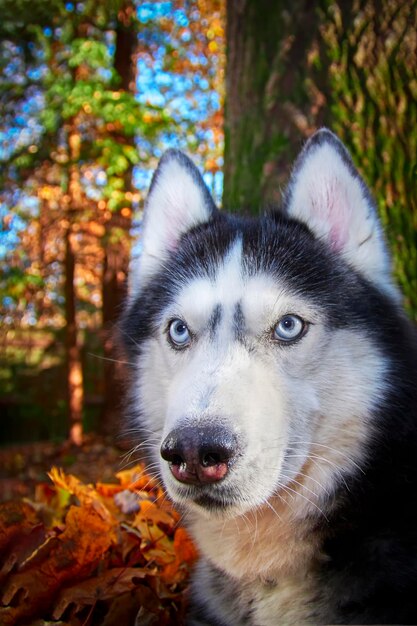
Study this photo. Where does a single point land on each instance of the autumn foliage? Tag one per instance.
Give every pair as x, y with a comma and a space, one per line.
83, 555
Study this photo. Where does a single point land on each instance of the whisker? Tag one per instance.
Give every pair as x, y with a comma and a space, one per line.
138, 430
315, 458
287, 488
127, 458
314, 481
269, 505
300, 484
123, 332
106, 358
322, 445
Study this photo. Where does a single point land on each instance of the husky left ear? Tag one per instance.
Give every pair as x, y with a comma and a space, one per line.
178, 199
327, 193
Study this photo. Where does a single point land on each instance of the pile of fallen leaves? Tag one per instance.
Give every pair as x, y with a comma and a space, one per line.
108, 555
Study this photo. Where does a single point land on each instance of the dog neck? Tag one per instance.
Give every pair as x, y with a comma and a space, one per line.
266, 544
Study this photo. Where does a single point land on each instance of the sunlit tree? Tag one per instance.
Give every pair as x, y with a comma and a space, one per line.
92, 93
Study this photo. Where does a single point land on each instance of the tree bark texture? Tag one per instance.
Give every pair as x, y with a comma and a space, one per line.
268, 99
347, 64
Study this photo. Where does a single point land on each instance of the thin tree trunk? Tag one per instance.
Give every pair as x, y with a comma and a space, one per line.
117, 238
75, 388
75, 391
116, 260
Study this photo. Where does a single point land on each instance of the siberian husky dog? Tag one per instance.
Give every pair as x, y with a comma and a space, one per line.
274, 375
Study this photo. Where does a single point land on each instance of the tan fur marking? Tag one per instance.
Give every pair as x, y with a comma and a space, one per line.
266, 544
274, 558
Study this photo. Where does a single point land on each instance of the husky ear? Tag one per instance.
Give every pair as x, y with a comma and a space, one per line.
178, 199
327, 193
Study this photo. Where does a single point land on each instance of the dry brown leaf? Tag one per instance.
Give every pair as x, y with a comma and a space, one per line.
108, 585
16, 518
78, 554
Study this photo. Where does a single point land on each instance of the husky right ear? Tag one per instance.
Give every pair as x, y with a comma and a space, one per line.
327, 193
178, 199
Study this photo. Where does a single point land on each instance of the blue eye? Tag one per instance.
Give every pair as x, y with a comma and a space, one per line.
289, 328
179, 333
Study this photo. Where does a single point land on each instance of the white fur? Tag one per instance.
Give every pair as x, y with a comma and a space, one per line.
174, 205
273, 396
336, 206
302, 413
316, 396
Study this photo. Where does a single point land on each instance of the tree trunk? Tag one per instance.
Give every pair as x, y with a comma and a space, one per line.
117, 238
269, 101
75, 387
75, 391
349, 64
116, 261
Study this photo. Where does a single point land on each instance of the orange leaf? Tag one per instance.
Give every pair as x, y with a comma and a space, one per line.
136, 478
185, 556
184, 547
86, 494
150, 512
108, 490
66, 557
59, 560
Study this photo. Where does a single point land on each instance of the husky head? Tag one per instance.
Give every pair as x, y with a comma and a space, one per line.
257, 369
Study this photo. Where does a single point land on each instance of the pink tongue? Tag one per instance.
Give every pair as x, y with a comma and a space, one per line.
209, 474
212, 472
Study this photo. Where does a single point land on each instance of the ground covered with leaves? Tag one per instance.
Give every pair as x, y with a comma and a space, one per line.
82, 552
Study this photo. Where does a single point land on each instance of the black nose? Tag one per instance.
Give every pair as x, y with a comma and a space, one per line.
199, 454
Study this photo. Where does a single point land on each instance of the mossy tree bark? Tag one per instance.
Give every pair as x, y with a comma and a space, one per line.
270, 46
348, 64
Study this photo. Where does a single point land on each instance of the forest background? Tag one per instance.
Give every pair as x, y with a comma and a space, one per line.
92, 93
